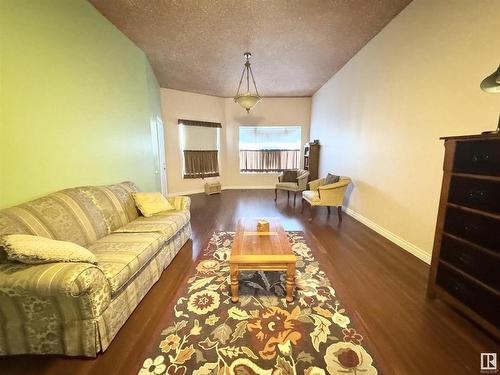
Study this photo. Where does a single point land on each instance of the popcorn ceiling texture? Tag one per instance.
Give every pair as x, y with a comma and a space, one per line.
297, 45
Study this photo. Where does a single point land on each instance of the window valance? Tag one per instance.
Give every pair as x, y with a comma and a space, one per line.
205, 124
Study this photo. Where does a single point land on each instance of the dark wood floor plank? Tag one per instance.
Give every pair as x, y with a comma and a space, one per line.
383, 285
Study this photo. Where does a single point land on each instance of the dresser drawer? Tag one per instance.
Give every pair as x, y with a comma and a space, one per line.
478, 264
478, 299
479, 229
475, 193
478, 157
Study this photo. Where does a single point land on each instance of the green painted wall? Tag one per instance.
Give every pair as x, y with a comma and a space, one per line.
77, 99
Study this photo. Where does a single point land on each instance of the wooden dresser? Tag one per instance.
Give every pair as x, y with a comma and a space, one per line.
311, 159
465, 268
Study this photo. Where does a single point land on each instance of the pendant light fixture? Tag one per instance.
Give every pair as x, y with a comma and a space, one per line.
247, 99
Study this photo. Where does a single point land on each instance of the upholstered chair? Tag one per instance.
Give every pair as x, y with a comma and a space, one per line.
299, 185
331, 195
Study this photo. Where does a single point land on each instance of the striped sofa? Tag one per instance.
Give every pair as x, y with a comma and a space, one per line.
78, 308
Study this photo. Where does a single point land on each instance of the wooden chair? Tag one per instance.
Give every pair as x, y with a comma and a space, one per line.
331, 195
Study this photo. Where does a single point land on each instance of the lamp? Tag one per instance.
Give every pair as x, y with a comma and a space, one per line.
491, 84
247, 99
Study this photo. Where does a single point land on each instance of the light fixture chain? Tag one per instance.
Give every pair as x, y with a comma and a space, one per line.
247, 66
254, 84
241, 80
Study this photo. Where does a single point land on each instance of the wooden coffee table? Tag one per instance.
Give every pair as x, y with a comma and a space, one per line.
262, 251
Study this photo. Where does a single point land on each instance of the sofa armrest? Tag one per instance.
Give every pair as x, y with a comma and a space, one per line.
77, 286
51, 279
315, 184
180, 202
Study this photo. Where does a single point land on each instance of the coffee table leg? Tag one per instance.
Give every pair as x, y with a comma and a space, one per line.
234, 283
290, 282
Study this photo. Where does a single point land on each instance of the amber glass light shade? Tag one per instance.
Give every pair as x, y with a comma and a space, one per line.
247, 100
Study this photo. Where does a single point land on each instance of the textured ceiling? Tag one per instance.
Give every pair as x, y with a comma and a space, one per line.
297, 45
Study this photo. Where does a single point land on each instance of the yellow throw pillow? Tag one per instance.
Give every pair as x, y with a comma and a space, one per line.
151, 203
29, 249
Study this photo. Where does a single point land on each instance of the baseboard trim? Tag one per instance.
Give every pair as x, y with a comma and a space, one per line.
186, 192
243, 187
224, 187
408, 246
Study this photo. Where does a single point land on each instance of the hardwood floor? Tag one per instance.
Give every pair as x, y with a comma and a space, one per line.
383, 286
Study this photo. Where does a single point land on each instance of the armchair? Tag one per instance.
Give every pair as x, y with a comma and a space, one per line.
330, 195
298, 186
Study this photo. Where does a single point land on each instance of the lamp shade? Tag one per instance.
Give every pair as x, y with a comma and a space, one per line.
247, 100
492, 82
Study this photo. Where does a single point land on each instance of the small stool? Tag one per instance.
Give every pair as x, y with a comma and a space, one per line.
212, 188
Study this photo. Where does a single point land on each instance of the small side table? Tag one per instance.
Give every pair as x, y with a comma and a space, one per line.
212, 188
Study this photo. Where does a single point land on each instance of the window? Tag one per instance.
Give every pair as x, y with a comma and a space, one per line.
269, 148
200, 147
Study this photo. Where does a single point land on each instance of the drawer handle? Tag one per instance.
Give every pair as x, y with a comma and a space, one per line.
459, 289
471, 228
477, 194
480, 157
465, 259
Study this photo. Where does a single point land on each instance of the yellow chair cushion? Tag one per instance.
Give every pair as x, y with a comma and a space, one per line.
151, 203
30, 249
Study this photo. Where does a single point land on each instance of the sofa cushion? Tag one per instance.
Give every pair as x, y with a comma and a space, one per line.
291, 186
165, 223
289, 176
30, 249
331, 179
311, 196
121, 255
151, 203
68, 215
115, 202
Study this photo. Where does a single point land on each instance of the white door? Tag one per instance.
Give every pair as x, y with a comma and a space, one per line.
159, 142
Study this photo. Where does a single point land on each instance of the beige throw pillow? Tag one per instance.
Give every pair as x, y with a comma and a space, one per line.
29, 249
151, 203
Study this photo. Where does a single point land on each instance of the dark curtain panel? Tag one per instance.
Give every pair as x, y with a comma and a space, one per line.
268, 160
201, 163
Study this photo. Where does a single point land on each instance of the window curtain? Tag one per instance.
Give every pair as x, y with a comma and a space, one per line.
201, 163
269, 160
200, 148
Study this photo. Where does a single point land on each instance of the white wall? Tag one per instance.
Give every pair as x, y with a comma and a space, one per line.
379, 118
271, 111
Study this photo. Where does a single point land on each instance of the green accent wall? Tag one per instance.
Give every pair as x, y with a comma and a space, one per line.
77, 101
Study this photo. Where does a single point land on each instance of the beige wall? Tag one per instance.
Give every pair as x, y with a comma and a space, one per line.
271, 111
179, 104
380, 117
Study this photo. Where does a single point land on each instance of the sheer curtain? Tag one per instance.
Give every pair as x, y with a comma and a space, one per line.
269, 148
269, 160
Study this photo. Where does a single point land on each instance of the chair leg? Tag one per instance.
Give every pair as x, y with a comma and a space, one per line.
303, 202
275, 195
313, 213
339, 213
294, 197
328, 208
288, 192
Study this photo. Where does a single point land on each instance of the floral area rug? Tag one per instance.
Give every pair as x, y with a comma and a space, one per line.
262, 334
